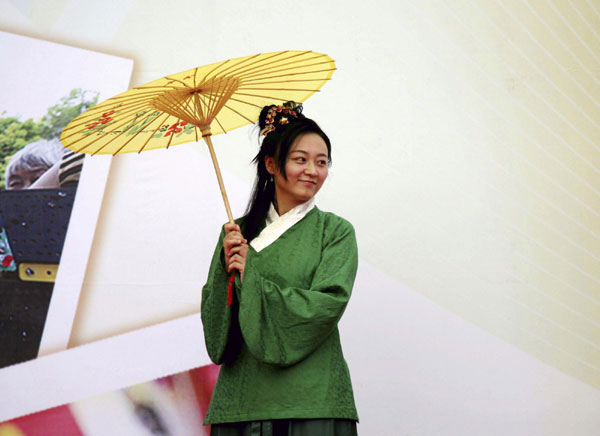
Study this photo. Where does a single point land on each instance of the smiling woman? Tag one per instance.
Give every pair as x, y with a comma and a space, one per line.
276, 334
306, 169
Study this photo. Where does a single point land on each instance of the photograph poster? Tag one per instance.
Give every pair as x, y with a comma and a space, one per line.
49, 196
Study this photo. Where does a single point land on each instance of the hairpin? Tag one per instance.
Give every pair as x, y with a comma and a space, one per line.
280, 115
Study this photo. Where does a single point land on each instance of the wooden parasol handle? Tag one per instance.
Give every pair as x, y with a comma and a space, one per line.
219, 178
227, 208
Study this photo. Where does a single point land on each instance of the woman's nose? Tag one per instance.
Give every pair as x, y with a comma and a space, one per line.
310, 168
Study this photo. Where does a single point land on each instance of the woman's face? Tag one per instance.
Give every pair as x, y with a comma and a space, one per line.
306, 167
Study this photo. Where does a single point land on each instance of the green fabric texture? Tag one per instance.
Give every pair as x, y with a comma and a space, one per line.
278, 343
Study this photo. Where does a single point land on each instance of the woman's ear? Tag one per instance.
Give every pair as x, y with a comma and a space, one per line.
270, 165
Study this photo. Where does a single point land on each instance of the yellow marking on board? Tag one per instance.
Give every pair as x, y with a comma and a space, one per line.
38, 272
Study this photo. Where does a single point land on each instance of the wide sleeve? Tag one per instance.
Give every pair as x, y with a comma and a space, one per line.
221, 329
283, 325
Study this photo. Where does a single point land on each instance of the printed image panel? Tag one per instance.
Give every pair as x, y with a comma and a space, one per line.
45, 187
171, 405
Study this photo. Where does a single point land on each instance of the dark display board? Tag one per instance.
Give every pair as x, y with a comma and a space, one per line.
35, 223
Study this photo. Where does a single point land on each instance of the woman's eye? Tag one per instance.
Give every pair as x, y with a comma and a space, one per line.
300, 159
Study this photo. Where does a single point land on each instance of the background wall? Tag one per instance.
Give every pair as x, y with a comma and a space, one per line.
465, 152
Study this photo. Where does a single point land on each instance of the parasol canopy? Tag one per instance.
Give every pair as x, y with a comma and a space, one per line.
197, 103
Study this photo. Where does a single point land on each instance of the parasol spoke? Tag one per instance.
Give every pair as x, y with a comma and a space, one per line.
258, 73
178, 81
190, 107
134, 136
200, 107
194, 76
171, 136
220, 125
229, 66
240, 114
210, 96
116, 117
262, 64
104, 134
153, 133
246, 102
132, 99
279, 89
298, 73
297, 64
267, 97
176, 107
240, 65
159, 87
251, 81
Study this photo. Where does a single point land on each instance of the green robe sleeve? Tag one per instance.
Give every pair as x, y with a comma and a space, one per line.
283, 325
221, 329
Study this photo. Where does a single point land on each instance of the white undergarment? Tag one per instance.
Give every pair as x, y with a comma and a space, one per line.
277, 225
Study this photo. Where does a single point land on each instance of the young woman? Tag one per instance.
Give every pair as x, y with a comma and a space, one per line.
274, 330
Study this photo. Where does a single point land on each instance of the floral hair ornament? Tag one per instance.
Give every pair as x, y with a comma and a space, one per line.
280, 115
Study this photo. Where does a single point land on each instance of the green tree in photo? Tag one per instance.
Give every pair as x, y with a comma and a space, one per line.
69, 107
16, 134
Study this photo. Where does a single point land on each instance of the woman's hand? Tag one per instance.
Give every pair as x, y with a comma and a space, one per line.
235, 248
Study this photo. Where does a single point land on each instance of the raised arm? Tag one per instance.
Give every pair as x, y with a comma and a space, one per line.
221, 329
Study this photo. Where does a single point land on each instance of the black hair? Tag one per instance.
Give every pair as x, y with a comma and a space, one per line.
276, 144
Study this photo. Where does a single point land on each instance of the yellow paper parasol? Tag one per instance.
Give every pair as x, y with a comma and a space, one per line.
200, 102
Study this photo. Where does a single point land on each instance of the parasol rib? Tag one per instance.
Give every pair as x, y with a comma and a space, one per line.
262, 62
153, 133
259, 73
178, 81
299, 73
119, 117
251, 81
229, 66
241, 115
299, 63
246, 102
268, 97
213, 70
279, 89
104, 134
136, 134
171, 136
144, 87
219, 123
258, 63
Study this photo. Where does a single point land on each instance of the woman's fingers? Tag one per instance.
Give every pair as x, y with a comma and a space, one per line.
232, 228
232, 239
241, 249
236, 262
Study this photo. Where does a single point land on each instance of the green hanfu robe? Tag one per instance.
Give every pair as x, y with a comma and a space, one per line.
278, 342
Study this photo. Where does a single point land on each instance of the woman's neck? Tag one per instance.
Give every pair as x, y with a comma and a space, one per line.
282, 209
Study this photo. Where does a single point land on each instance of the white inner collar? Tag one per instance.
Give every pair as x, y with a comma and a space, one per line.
276, 225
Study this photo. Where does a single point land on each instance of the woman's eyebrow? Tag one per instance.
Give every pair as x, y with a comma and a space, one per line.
305, 152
